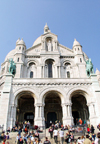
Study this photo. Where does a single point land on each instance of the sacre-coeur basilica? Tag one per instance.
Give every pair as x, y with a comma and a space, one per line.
48, 82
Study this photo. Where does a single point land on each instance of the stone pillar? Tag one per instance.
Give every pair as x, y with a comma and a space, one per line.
5, 100
92, 117
39, 115
67, 114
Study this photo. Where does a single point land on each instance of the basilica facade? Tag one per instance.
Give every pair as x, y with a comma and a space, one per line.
50, 82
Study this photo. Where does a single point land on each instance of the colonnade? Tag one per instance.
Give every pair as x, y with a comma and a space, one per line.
39, 118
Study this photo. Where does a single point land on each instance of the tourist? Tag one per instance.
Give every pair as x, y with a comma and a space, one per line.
66, 138
33, 138
79, 140
51, 132
21, 140
29, 141
82, 139
80, 121
59, 124
37, 134
66, 128
46, 141
97, 140
28, 124
17, 138
55, 132
8, 130
19, 130
25, 138
98, 126
56, 124
92, 129
88, 130
7, 135
61, 133
25, 130
3, 136
93, 137
72, 137
87, 140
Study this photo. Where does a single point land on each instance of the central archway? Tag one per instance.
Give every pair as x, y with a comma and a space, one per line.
52, 109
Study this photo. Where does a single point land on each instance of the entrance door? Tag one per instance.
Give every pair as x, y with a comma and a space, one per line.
75, 115
51, 116
29, 117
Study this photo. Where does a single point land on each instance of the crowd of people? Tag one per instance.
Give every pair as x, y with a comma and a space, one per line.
58, 133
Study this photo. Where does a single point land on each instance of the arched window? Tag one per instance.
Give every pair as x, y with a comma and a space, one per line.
31, 74
18, 60
19, 48
49, 68
68, 74
67, 65
80, 60
78, 49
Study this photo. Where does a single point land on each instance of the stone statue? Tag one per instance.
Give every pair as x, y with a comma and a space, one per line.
12, 67
49, 45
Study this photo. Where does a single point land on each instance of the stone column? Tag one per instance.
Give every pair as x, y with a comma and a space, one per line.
5, 100
39, 115
92, 117
67, 116
15, 106
91, 111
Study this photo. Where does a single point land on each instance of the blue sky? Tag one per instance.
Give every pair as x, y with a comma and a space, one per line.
68, 19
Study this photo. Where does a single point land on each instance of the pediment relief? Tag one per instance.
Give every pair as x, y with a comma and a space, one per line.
65, 51
34, 51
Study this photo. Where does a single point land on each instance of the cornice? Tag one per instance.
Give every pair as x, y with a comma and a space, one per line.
50, 84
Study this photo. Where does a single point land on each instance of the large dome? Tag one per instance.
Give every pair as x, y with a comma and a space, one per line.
10, 54
37, 41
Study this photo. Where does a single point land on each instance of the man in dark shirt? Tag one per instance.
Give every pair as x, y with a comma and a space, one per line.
46, 141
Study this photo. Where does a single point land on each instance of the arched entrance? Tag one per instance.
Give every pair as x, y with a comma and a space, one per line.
25, 107
52, 109
79, 107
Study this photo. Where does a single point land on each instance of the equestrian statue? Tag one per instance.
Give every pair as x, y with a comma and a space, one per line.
12, 67
89, 66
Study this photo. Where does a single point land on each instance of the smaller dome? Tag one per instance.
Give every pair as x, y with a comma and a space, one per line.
21, 42
76, 43
17, 41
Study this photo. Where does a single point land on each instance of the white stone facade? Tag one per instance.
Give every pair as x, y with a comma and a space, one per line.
48, 68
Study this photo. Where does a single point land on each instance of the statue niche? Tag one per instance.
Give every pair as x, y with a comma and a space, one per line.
49, 46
